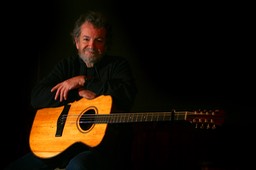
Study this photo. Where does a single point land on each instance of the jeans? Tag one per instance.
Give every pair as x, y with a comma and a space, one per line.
86, 160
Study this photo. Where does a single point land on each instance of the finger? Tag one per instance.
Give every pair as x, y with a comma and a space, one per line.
66, 94
61, 93
57, 94
55, 87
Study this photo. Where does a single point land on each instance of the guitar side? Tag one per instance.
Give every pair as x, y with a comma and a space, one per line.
43, 141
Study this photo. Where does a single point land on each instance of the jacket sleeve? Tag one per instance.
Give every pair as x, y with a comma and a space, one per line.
41, 95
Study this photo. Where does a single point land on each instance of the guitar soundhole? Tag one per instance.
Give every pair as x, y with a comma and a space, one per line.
86, 121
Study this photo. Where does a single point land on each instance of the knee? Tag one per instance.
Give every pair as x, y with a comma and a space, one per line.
76, 164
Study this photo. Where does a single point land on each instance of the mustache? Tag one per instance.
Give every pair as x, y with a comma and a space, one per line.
91, 50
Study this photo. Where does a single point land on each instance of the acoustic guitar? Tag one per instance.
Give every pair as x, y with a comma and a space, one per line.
55, 129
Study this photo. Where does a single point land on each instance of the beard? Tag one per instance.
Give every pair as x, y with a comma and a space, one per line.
90, 56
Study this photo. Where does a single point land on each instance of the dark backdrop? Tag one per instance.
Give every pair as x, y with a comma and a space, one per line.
184, 56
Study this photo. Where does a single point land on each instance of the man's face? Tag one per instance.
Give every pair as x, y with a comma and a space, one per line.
91, 43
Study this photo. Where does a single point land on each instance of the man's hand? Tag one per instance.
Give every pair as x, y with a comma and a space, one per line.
64, 87
86, 93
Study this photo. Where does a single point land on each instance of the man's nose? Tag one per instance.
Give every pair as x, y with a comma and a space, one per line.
91, 43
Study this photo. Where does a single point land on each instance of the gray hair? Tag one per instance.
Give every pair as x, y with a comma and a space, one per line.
97, 19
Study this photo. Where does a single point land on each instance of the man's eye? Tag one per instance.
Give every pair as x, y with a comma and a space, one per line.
99, 40
86, 39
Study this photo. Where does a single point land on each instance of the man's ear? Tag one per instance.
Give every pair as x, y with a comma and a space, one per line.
76, 42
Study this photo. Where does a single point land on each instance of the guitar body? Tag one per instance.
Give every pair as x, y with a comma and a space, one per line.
52, 133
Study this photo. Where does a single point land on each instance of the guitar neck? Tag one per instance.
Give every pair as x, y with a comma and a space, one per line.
208, 119
135, 117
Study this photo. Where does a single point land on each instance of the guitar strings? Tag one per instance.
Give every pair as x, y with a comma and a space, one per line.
199, 117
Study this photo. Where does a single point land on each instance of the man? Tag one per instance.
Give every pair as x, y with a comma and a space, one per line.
89, 74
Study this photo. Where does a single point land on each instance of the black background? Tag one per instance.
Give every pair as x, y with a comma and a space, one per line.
184, 56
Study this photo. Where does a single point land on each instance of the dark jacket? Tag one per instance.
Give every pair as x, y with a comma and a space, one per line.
111, 76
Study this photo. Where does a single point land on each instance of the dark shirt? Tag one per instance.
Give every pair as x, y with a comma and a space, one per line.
111, 76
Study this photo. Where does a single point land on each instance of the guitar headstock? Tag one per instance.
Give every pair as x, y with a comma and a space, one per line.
206, 119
